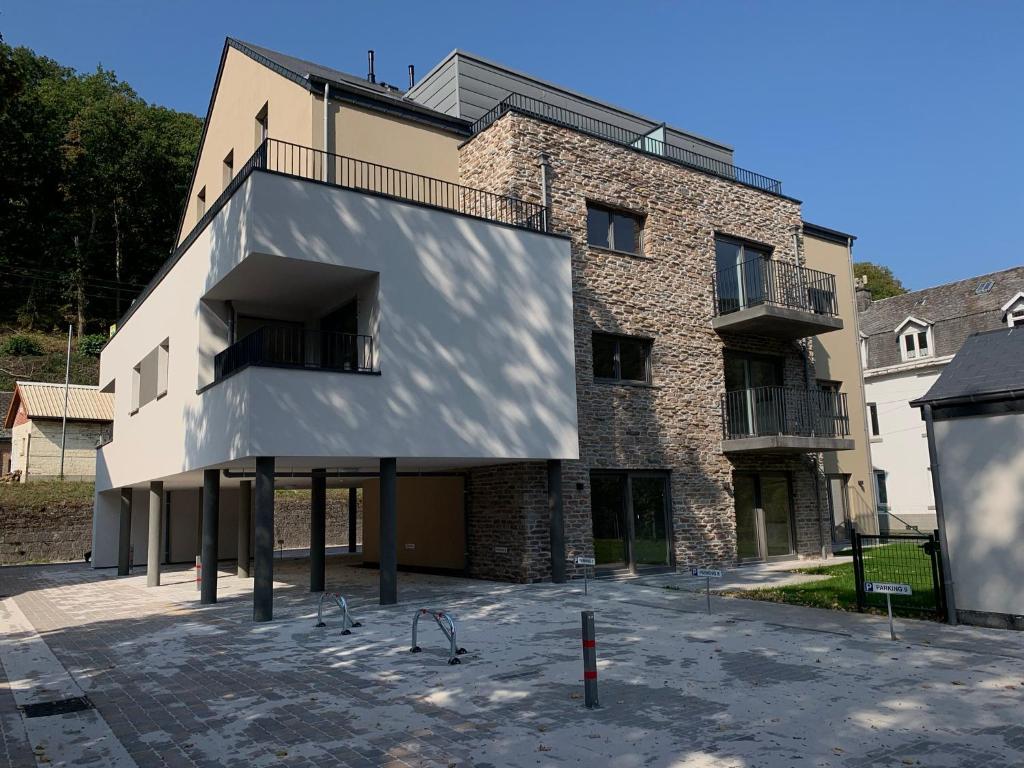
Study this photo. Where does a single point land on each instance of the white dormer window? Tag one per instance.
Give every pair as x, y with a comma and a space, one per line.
863, 350
1013, 310
915, 339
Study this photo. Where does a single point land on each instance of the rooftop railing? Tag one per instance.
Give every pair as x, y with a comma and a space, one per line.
643, 142
779, 283
788, 411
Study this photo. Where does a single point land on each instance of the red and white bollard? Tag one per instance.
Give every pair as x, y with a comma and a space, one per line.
199, 573
589, 661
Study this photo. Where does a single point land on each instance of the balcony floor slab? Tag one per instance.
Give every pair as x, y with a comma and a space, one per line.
776, 322
786, 444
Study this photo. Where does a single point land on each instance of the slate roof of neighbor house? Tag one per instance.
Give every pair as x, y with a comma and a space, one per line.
5, 404
956, 310
988, 364
44, 400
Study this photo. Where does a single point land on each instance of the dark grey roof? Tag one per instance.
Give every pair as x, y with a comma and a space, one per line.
956, 310
5, 403
988, 364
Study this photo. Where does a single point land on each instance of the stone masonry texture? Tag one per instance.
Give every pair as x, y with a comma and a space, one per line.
665, 294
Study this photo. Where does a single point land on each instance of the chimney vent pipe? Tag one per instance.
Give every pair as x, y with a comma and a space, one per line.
369, 60
412, 75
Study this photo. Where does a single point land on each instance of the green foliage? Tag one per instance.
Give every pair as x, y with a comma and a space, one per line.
46, 493
21, 345
92, 345
48, 365
92, 187
881, 280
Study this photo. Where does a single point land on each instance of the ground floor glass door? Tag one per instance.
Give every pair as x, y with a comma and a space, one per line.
837, 502
630, 512
764, 516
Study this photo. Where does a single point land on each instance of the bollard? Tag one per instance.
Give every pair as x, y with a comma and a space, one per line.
589, 661
199, 573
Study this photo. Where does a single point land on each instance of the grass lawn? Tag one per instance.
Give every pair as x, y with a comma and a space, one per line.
902, 562
45, 493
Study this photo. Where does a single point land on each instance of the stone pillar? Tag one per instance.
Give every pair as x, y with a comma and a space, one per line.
156, 527
352, 522
388, 532
556, 521
124, 533
263, 560
211, 523
318, 531
244, 526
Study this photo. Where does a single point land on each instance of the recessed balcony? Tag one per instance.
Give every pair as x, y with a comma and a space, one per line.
282, 346
785, 420
776, 299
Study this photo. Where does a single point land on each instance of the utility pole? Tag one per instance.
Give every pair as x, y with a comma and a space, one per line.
64, 423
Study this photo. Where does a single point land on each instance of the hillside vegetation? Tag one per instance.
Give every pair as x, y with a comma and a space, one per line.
46, 366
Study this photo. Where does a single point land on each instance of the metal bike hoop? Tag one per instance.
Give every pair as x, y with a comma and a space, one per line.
346, 618
446, 622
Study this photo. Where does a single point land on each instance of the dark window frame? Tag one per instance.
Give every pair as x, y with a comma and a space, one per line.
873, 424
646, 343
639, 220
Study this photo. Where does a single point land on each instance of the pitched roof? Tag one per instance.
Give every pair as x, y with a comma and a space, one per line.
5, 404
43, 400
988, 365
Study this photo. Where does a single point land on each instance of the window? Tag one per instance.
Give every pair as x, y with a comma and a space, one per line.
873, 420
201, 203
615, 230
863, 351
881, 492
149, 377
261, 124
621, 358
740, 274
229, 168
915, 339
1014, 310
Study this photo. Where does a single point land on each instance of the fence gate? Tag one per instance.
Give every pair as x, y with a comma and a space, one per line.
912, 559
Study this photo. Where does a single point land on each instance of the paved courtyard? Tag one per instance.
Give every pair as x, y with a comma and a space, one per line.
752, 684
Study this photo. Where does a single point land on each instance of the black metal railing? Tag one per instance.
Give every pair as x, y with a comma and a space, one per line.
526, 105
340, 171
291, 347
904, 558
767, 411
767, 281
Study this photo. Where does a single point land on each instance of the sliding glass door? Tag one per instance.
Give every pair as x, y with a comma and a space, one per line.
764, 516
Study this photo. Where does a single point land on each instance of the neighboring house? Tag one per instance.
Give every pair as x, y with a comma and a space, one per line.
974, 417
529, 324
35, 417
906, 341
5, 435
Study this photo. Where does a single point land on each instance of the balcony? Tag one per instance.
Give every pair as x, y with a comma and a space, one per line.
784, 420
286, 347
776, 299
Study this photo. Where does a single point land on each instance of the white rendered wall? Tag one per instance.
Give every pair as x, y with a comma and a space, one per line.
902, 449
475, 343
981, 461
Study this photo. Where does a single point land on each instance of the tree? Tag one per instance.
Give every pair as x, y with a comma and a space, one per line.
881, 281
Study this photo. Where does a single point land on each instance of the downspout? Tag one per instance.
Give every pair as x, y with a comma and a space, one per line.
327, 89
545, 196
940, 516
805, 344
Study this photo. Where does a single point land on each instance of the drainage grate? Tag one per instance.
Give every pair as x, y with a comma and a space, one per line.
61, 707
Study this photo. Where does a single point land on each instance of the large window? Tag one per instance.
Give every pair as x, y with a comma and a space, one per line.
261, 125
622, 358
613, 229
739, 274
229, 169
881, 492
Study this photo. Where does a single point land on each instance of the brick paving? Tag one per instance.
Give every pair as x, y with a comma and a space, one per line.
751, 685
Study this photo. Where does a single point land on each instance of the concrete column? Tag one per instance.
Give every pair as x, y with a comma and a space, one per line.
263, 560
211, 523
388, 532
156, 527
244, 526
352, 522
318, 532
557, 521
124, 534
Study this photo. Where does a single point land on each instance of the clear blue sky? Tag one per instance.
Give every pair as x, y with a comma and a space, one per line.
901, 122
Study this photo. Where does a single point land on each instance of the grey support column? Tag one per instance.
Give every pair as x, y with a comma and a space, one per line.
211, 523
388, 532
156, 527
352, 522
263, 560
244, 526
124, 533
557, 521
318, 531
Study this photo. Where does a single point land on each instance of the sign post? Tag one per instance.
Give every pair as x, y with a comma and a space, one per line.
586, 562
708, 574
887, 589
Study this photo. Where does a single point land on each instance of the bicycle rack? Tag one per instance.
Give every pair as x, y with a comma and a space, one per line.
346, 617
446, 622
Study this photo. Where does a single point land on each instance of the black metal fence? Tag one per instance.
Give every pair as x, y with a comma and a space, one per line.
905, 558
769, 281
293, 347
526, 105
764, 411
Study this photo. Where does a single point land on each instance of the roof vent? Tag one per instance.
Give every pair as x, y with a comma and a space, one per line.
369, 62
984, 287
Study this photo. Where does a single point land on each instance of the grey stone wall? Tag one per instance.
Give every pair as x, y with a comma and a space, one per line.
45, 533
665, 293
291, 518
